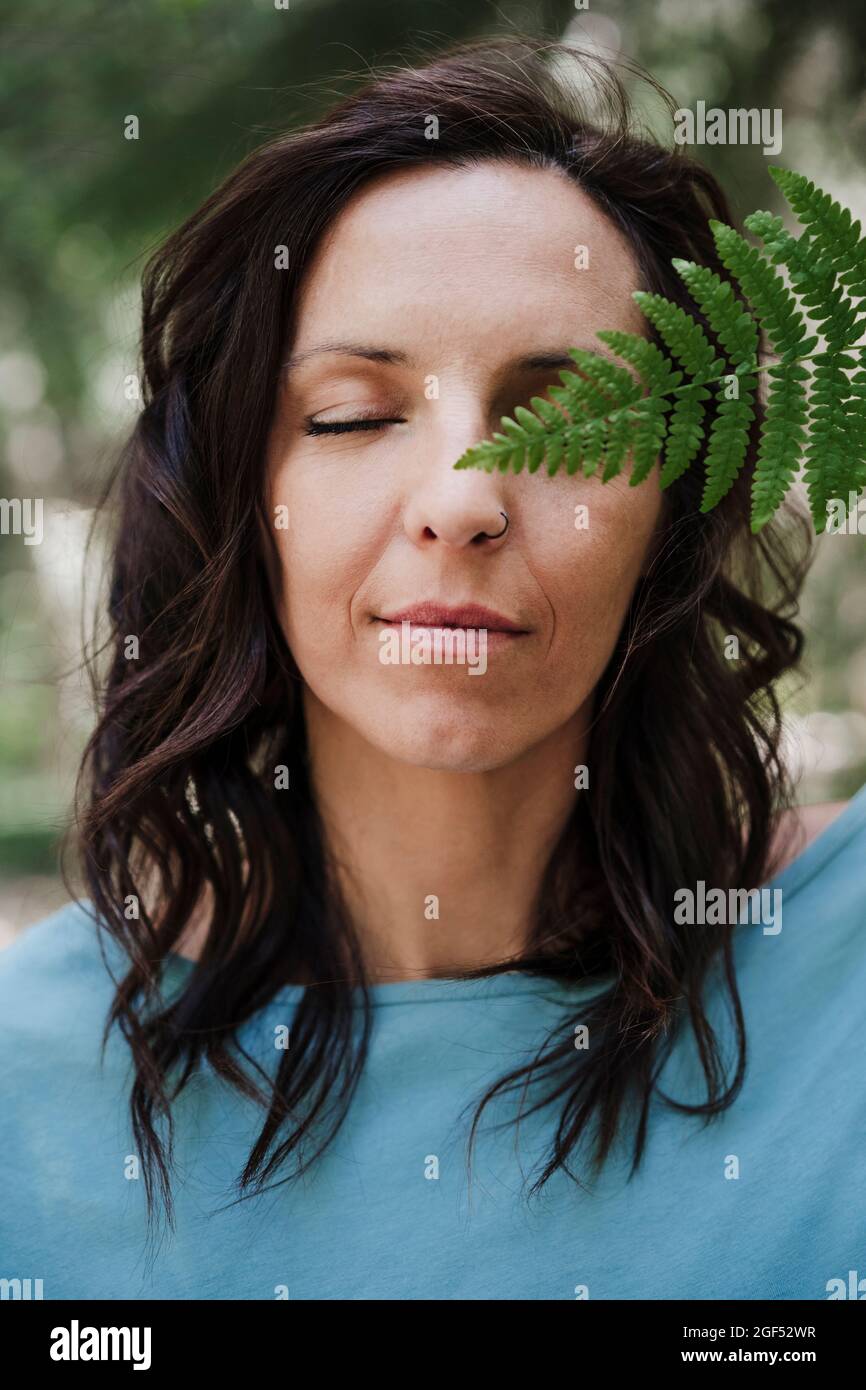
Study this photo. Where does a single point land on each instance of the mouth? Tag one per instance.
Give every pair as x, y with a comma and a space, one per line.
465, 615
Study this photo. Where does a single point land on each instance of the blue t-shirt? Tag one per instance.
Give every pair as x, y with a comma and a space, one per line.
769, 1201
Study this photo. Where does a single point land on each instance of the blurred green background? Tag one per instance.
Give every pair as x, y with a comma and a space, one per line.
209, 80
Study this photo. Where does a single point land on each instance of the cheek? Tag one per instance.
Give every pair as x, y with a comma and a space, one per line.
326, 550
591, 564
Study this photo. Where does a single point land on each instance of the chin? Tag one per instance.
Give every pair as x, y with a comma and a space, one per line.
448, 739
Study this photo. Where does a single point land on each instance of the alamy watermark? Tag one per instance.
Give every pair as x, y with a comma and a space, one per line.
22, 516
737, 126
847, 520
21, 1289
437, 646
703, 906
77, 1343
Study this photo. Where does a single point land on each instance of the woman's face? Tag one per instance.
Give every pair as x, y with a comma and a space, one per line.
424, 308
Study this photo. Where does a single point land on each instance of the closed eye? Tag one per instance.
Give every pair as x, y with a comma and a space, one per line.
345, 426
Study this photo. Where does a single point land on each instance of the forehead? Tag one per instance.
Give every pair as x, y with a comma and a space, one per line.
463, 255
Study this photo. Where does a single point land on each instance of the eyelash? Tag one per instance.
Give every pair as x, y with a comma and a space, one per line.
315, 427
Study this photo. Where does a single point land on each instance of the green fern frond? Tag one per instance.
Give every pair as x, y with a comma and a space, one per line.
729, 441
686, 433
832, 227
766, 291
682, 334
781, 445
735, 329
694, 391
812, 275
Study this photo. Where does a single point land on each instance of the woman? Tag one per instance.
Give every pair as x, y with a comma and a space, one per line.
402, 994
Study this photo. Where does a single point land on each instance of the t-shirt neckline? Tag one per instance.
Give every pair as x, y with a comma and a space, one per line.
508, 984
513, 983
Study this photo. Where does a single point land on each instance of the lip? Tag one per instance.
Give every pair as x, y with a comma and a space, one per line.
464, 615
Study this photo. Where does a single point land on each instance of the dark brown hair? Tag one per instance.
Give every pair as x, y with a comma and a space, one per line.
686, 770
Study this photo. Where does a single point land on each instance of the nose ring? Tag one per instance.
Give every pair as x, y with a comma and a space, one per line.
498, 533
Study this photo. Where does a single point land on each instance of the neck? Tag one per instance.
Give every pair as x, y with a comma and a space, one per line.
439, 870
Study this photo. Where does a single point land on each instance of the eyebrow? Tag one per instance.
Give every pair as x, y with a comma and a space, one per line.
531, 362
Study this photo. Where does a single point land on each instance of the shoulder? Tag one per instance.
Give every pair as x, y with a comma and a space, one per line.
53, 979
798, 827
820, 883
62, 1096
801, 955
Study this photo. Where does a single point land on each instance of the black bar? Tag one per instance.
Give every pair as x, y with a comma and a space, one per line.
627, 1334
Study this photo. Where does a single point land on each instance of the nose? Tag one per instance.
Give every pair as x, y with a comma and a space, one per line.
458, 522
456, 507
